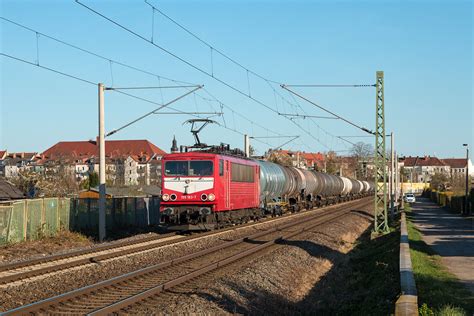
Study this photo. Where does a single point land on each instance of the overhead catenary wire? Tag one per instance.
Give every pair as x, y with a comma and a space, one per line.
184, 84
246, 68
208, 44
117, 91
173, 55
151, 112
145, 88
189, 113
330, 85
48, 68
107, 59
203, 71
328, 111
296, 106
239, 114
282, 136
308, 116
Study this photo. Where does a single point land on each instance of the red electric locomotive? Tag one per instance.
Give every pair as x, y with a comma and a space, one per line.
199, 188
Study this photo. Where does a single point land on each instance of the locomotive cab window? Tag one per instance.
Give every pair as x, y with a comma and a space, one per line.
200, 168
176, 168
189, 168
242, 173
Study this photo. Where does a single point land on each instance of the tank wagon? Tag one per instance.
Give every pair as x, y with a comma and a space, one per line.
203, 190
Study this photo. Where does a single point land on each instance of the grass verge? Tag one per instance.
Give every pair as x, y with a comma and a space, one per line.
439, 291
368, 283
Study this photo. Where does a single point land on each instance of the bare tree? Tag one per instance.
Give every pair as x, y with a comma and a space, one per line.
57, 180
362, 150
279, 158
439, 181
251, 150
362, 154
331, 163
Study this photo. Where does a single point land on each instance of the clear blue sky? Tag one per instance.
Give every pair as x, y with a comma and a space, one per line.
424, 48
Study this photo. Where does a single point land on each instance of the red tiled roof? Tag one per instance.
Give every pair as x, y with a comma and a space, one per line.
423, 161
312, 156
456, 162
303, 155
113, 149
3, 153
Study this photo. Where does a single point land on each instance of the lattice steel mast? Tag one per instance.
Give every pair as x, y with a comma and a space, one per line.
380, 211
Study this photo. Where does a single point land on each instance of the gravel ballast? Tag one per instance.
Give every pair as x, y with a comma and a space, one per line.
262, 276
278, 281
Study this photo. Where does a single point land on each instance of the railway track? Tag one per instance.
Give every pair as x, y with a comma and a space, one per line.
22, 270
132, 288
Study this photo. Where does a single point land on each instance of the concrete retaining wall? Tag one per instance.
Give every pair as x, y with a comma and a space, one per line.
407, 303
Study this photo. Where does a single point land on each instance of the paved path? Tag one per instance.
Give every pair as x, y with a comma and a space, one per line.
449, 235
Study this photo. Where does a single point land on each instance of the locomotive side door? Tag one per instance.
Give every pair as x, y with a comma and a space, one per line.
225, 180
227, 185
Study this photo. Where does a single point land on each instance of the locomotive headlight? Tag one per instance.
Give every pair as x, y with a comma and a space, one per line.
173, 197
165, 197
211, 197
204, 197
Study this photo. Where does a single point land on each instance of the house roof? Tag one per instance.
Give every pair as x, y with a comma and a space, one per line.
423, 162
3, 154
9, 192
113, 149
312, 156
303, 155
21, 155
456, 162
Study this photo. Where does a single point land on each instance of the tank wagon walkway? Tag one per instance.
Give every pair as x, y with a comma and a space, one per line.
449, 235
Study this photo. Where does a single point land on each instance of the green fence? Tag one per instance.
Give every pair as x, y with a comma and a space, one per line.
33, 219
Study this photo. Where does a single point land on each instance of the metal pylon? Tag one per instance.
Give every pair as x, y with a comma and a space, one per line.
380, 211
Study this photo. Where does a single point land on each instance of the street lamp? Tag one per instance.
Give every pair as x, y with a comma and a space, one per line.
466, 204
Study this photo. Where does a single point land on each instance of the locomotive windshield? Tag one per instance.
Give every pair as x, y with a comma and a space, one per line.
189, 168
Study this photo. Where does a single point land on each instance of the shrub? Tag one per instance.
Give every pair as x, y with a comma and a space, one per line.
424, 310
449, 310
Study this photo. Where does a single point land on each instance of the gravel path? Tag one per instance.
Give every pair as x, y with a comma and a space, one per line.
450, 235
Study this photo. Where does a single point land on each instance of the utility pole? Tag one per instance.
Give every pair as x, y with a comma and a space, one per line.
392, 178
466, 194
247, 145
101, 164
397, 179
380, 210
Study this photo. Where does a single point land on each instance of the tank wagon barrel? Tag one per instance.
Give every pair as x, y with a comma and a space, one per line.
274, 182
205, 189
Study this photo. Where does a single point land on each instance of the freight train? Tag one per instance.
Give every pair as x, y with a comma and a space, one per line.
206, 190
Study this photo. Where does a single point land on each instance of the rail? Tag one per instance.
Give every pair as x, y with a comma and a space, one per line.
407, 303
112, 295
35, 267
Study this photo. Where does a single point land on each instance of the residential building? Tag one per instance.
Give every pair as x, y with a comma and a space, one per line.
298, 159
13, 163
458, 166
421, 169
3, 155
128, 162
